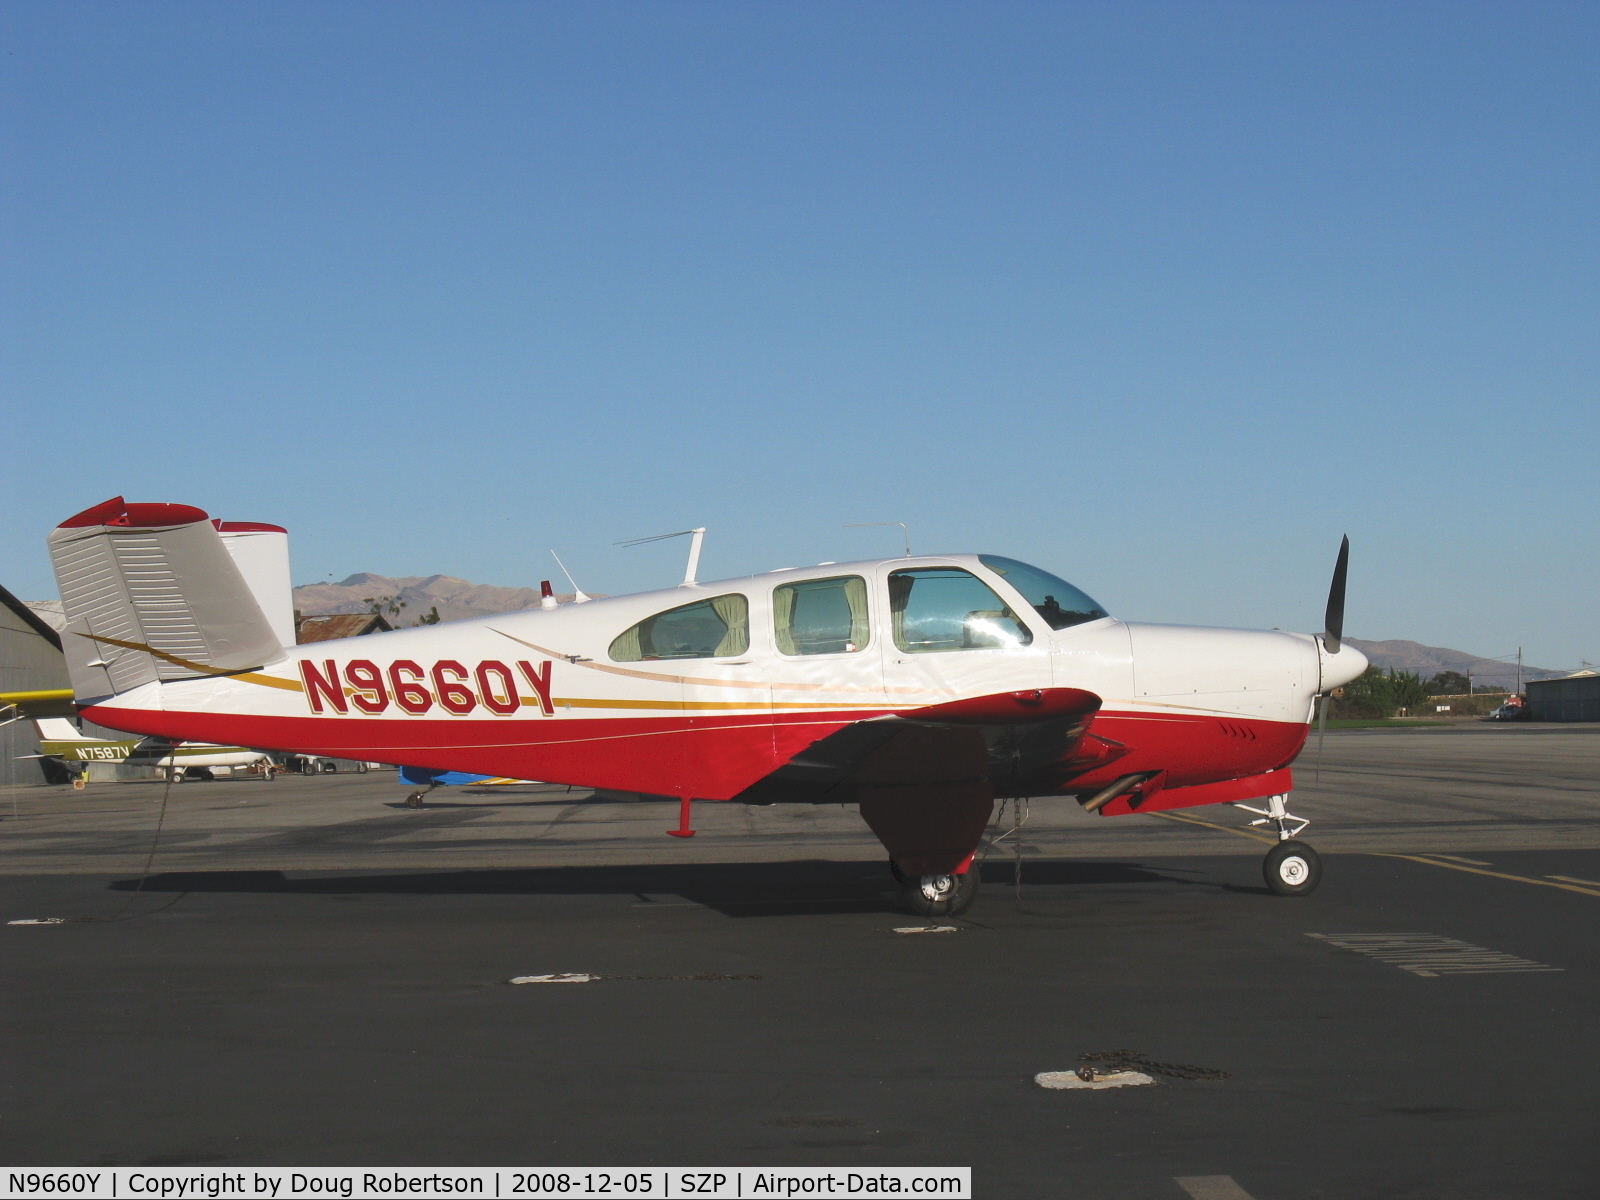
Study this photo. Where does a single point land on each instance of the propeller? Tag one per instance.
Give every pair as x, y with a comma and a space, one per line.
1322, 732
1333, 626
1333, 620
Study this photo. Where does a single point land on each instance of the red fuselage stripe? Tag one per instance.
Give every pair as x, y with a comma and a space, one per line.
710, 756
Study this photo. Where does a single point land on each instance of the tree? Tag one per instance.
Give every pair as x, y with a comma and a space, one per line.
1449, 683
385, 606
1380, 693
389, 608
1367, 695
1407, 690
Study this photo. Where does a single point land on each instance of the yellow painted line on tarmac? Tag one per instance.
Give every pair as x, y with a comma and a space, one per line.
1471, 862
1255, 837
1450, 866
1570, 879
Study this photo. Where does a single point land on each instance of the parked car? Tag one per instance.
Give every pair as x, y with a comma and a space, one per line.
316, 764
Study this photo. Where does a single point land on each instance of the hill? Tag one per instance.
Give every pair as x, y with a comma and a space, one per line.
455, 598
1428, 661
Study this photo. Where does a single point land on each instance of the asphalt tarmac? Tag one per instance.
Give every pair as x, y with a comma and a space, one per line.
312, 974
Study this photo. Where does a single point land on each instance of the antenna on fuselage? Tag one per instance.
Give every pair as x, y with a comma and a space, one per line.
904, 531
577, 592
698, 536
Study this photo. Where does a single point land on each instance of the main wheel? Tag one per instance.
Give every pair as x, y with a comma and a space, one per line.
414, 800
1292, 869
940, 895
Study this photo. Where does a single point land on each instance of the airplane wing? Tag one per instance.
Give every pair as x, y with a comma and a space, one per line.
49, 702
999, 737
925, 779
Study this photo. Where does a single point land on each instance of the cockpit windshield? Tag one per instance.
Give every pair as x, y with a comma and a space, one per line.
1053, 598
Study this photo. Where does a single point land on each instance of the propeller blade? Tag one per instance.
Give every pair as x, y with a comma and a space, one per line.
1322, 731
1333, 621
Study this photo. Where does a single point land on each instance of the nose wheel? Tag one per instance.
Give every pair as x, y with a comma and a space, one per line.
1291, 868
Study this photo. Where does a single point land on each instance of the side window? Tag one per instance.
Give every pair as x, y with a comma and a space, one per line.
714, 628
821, 616
935, 609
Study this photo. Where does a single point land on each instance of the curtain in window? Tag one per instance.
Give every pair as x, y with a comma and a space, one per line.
855, 595
629, 645
899, 597
783, 620
734, 612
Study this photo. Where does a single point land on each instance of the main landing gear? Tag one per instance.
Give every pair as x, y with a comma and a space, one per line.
937, 895
1291, 868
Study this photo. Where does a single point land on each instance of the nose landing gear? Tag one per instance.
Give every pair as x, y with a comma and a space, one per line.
1291, 868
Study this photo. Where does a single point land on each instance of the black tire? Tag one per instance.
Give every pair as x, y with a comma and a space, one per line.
1292, 869
414, 800
361, 768
939, 895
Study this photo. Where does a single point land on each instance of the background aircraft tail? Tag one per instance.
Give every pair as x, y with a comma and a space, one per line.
57, 729
153, 594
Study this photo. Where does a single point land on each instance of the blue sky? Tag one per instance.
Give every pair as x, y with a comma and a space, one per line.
1164, 297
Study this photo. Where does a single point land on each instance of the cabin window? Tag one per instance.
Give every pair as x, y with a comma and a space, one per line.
936, 609
821, 616
714, 628
1053, 598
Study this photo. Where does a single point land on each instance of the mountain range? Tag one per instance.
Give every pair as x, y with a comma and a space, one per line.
457, 599
1428, 661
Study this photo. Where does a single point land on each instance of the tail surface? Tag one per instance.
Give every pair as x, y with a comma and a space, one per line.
153, 595
58, 729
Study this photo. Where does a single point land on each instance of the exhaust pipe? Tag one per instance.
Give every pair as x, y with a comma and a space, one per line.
1112, 791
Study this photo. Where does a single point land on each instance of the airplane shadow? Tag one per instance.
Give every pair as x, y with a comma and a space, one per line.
748, 889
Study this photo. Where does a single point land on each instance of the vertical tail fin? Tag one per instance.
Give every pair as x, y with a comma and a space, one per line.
152, 595
261, 552
56, 729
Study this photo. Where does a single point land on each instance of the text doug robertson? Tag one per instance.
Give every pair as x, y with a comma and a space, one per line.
240, 1183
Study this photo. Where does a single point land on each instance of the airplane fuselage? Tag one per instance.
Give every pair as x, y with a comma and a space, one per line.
649, 693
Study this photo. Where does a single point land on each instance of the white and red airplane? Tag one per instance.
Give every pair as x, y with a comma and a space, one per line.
920, 688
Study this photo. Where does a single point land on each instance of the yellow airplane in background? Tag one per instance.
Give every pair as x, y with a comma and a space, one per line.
61, 740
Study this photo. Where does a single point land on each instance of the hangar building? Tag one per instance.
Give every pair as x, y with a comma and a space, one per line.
30, 661
1573, 698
